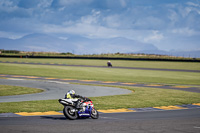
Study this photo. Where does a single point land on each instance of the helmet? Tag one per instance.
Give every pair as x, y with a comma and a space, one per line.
71, 92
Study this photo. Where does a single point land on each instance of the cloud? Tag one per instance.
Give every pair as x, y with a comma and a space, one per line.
123, 3
193, 4
44, 3
61, 3
91, 19
145, 21
112, 21
155, 37
11, 35
185, 32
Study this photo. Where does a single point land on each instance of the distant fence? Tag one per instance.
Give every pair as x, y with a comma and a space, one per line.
102, 58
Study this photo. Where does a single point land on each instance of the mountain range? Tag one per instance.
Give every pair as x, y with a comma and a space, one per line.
82, 45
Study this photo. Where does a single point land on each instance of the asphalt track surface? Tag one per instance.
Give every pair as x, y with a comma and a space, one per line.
178, 121
56, 90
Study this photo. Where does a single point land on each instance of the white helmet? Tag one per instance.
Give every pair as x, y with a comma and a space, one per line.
71, 92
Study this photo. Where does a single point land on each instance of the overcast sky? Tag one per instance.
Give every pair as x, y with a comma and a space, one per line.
168, 24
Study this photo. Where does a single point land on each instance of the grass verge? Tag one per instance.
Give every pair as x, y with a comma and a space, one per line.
119, 63
140, 98
7, 90
102, 74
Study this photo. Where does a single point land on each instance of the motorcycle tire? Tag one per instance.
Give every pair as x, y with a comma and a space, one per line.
67, 111
94, 114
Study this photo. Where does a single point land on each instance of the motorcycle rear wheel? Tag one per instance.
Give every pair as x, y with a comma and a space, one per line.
94, 114
70, 112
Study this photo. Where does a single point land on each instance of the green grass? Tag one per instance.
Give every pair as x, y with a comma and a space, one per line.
143, 64
103, 74
7, 90
147, 97
140, 98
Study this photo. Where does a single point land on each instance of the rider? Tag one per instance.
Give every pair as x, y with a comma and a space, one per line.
109, 64
71, 95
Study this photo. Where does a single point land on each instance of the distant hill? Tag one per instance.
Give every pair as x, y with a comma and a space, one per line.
82, 45
35, 42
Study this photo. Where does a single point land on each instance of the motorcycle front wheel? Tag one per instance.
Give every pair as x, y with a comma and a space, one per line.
94, 114
70, 112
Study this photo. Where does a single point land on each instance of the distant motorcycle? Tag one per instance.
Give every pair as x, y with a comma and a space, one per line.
86, 109
109, 64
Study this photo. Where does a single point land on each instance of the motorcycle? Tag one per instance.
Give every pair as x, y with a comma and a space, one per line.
86, 109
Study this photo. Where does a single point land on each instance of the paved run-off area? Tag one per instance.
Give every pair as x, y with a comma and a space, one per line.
56, 90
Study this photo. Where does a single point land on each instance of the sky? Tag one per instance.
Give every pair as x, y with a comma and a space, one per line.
167, 24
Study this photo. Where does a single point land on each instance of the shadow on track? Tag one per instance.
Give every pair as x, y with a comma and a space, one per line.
60, 118
54, 117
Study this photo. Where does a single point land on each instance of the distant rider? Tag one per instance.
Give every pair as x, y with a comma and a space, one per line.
71, 94
109, 64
